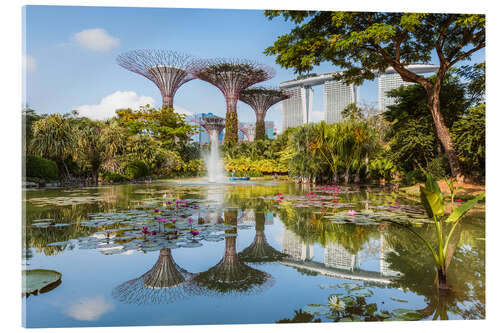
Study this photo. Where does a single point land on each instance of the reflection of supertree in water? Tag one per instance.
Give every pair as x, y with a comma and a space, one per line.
166, 282
231, 275
260, 250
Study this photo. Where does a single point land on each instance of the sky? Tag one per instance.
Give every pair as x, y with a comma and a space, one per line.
70, 52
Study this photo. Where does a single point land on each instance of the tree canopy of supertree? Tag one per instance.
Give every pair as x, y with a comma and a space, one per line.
260, 100
210, 124
232, 76
167, 69
260, 251
230, 275
165, 283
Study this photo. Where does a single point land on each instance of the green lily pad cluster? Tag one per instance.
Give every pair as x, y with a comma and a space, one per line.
351, 305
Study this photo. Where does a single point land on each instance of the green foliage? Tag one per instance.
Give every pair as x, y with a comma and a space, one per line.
231, 135
381, 168
112, 176
438, 167
469, 135
164, 125
39, 167
136, 170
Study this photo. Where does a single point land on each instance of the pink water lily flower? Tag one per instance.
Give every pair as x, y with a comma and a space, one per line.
190, 220
390, 202
145, 230
153, 232
156, 210
278, 193
168, 202
281, 198
194, 232
335, 201
396, 203
173, 220
351, 212
322, 199
459, 200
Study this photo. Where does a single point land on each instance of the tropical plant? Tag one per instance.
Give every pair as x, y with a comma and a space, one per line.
433, 201
381, 168
54, 138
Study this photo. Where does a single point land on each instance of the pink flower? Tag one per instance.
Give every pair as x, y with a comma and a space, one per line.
281, 198
459, 200
335, 201
321, 199
168, 203
145, 230
194, 232
153, 232
156, 210
390, 202
190, 220
278, 193
158, 218
351, 212
396, 203
173, 220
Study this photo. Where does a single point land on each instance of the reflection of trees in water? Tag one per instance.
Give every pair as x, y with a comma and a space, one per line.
166, 282
230, 274
300, 317
466, 271
260, 250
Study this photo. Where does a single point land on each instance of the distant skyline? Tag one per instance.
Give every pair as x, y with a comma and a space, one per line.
70, 56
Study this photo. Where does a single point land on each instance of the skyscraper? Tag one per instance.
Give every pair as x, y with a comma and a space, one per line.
337, 97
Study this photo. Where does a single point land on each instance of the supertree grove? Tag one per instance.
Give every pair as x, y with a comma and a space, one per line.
260, 100
167, 69
232, 76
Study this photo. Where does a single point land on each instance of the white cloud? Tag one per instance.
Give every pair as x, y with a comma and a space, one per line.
317, 116
89, 308
29, 63
109, 104
95, 40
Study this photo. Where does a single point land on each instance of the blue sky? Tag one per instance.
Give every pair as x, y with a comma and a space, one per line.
71, 51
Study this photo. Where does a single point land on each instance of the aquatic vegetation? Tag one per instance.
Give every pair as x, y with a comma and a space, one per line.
39, 280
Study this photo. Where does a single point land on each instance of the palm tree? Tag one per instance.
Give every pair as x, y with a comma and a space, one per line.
54, 138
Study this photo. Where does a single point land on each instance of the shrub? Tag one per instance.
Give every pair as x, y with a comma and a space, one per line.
112, 176
136, 170
39, 167
414, 176
438, 167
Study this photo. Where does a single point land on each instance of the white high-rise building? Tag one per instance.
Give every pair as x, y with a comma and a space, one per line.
297, 109
336, 97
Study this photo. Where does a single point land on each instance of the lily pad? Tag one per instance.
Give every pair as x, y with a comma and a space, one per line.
39, 280
316, 309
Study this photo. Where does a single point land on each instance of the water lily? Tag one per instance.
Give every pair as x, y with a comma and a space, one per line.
194, 233
396, 203
190, 220
336, 304
173, 220
335, 201
278, 193
351, 212
156, 210
145, 230
390, 202
153, 232
281, 198
322, 199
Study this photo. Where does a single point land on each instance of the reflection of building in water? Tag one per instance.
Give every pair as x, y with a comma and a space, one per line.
295, 248
247, 215
338, 257
385, 249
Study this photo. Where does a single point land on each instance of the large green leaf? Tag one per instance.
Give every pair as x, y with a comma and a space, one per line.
35, 280
464, 208
431, 184
433, 202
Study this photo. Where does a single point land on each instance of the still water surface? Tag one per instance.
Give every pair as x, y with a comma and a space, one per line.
260, 252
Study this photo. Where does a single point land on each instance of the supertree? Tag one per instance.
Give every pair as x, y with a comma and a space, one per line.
260, 251
230, 275
232, 76
167, 69
212, 124
166, 282
260, 100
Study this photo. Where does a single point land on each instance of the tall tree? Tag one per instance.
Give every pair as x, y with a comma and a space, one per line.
365, 43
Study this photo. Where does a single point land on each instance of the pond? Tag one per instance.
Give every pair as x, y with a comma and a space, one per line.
179, 253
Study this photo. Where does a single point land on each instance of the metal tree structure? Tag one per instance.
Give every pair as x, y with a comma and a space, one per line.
260, 100
231, 275
167, 69
232, 76
260, 250
211, 124
166, 282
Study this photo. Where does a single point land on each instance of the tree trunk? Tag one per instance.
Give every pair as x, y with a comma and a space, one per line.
260, 126
167, 101
442, 279
231, 121
357, 177
443, 133
346, 176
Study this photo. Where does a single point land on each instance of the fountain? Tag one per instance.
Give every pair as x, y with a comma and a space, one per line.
213, 162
